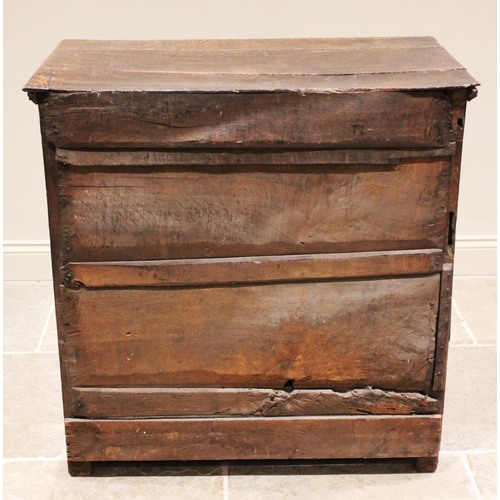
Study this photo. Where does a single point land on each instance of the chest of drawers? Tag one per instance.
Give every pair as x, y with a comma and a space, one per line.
252, 245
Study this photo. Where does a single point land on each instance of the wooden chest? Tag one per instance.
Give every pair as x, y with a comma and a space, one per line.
252, 245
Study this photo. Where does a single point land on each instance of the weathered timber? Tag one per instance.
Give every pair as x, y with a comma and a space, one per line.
353, 333
306, 65
136, 158
254, 438
272, 120
167, 213
79, 468
426, 464
218, 271
53, 202
443, 328
459, 99
97, 402
251, 234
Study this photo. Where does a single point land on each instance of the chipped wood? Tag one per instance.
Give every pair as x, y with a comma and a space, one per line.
96, 402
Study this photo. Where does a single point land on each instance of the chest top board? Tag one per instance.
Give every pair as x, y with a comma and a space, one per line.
252, 245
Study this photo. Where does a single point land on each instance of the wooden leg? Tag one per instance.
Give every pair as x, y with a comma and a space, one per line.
426, 464
79, 468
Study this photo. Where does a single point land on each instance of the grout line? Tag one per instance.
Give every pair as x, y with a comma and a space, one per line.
33, 459
473, 345
467, 452
463, 323
16, 353
38, 348
472, 477
225, 479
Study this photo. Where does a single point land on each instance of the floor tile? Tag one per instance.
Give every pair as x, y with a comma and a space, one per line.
476, 299
49, 480
33, 415
450, 481
484, 467
49, 342
458, 333
469, 421
27, 305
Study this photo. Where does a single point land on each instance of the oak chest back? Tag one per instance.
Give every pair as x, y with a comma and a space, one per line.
252, 245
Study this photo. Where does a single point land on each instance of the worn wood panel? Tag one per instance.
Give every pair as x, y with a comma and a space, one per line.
254, 438
131, 158
443, 328
459, 100
192, 82
51, 170
90, 402
303, 64
184, 272
168, 213
272, 120
342, 334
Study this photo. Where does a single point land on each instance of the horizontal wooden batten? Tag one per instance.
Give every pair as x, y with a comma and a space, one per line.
254, 438
220, 271
102, 402
249, 120
131, 158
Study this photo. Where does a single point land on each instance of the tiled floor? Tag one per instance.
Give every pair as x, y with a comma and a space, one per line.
34, 452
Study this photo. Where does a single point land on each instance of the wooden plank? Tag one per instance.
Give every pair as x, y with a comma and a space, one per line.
443, 329
249, 61
264, 120
96, 402
170, 213
117, 158
51, 171
218, 271
254, 438
355, 333
298, 64
186, 82
459, 101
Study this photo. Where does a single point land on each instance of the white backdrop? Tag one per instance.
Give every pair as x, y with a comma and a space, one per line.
32, 29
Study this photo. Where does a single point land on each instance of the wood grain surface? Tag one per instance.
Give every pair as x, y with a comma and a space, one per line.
185, 272
443, 328
340, 334
253, 438
250, 65
105, 402
137, 158
171, 213
264, 120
